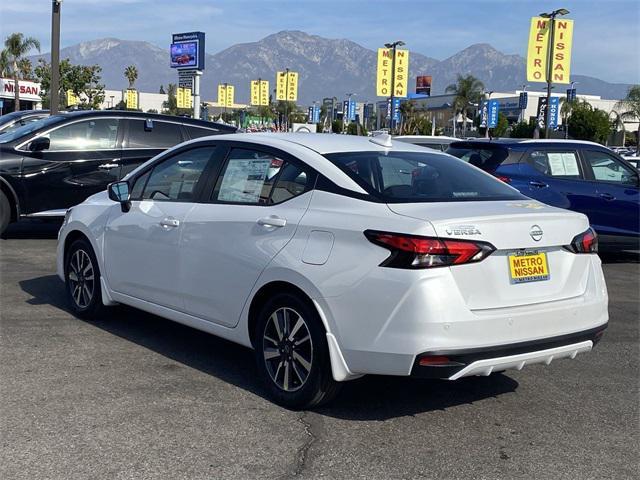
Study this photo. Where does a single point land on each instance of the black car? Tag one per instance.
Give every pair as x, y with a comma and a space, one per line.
56, 162
14, 120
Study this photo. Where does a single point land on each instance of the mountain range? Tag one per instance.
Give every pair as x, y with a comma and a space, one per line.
327, 67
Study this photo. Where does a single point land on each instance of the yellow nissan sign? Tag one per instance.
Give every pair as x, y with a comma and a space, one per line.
537, 55
259, 92
225, 95
132, 99
184, 98
400, 77
72, 98
287, 86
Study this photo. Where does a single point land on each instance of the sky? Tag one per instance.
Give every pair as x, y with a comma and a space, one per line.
606, 32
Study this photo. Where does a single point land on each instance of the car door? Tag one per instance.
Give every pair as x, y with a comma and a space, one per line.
555, 176
142, 252
145, 138
256, 205
82, 158
617, 201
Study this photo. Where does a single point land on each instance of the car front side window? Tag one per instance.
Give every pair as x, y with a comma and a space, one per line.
176, 178
94, 134
608, 169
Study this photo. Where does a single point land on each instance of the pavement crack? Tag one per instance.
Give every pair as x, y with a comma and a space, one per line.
302, 453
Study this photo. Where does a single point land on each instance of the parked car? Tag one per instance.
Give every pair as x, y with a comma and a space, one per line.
436, 142
633, 161
13, 120
336, 256
581, 176
51, 164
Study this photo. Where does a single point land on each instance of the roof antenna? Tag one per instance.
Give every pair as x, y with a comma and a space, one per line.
384, 140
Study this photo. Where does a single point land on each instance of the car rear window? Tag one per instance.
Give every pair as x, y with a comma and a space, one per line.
488, 159
397, 177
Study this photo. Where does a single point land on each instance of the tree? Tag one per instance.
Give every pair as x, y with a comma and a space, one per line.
170, 106
82, 80
17, 46
467, 90
588, 123
629, 109
503, 125
336, 126
162, 90
523, 130
5, 67
25, 68
131, 73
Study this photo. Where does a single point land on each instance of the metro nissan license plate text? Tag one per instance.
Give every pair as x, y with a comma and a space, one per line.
528, 267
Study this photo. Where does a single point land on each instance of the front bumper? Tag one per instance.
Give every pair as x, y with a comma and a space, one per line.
455, 364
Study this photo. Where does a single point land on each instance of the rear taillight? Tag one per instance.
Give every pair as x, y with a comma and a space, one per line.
413, 251
504, 178
586, 242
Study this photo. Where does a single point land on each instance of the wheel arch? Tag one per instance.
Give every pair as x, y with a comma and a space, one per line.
11, 195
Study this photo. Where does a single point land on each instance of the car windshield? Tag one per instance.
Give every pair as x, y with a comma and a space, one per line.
397, 177
31, 127
487, 159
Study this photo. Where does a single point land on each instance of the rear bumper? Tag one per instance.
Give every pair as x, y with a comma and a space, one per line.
484, 361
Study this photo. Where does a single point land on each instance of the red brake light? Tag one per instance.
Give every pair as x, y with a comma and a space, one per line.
586, 242
504, 178
413, 251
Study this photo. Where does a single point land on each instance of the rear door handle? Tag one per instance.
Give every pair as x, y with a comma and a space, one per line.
272, 221
170, 222
535, 183
607, 196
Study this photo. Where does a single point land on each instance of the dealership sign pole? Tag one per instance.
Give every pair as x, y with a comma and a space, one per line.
187, 55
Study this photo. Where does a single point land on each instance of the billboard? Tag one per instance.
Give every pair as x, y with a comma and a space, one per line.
537, 53
187, 50
401, 73
259, 92
493, 110
287, 86
225, 95
423, 85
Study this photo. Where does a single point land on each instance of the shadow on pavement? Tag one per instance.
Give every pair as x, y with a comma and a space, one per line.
369, 398
32, 229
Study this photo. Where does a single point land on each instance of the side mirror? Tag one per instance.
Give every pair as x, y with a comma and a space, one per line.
39, 144
119, 192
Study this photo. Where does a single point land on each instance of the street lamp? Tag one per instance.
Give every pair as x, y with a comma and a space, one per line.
393, 46
552, 20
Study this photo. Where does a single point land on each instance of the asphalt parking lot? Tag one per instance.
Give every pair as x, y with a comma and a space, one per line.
135, 396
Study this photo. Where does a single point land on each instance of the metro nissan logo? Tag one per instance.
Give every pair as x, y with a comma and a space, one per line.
536, 233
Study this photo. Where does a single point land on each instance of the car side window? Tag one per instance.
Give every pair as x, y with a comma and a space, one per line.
94, 134
197, 132
607, 168
176, 178
556, 164
257, 178
152, 133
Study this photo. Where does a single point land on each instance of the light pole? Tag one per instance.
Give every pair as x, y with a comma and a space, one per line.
393, 46
552, 21
569, 101
54, 95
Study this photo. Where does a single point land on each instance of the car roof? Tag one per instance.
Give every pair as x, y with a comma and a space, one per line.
153, 116
332, 142
524, 142
431, 138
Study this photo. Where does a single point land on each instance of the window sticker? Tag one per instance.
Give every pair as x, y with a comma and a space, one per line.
243, 180
563, 164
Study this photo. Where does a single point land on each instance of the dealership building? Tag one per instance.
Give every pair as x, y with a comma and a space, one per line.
28, 92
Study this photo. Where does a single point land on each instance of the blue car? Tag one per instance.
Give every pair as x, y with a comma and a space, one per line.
581, 176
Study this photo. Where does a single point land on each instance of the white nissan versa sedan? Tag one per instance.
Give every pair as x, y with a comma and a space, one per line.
337, 256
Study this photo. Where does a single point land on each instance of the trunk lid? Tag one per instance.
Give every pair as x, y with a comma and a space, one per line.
512, 227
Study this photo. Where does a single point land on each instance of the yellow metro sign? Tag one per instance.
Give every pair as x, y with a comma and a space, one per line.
538, 51
384, 77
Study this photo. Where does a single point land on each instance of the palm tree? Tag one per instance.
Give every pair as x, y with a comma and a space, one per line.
467, 90
17, 46
25, 68
629, 109
5, 68
131, 72
617, 123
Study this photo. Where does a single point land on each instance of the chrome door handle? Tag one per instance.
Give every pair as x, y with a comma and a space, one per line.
108, 166
272, 221
170, 222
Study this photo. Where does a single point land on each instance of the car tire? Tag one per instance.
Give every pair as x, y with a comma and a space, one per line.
5, 212
292, 354
82, 280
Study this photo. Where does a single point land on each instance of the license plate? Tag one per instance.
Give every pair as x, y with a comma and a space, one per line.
528, 267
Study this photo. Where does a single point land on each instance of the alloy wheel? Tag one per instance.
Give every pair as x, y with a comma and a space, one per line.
81, 278
287, 349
